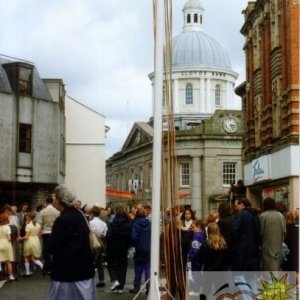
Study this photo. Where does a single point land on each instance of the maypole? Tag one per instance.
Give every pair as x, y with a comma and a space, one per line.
157, 147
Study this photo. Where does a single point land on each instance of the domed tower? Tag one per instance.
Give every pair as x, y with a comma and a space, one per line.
203, 80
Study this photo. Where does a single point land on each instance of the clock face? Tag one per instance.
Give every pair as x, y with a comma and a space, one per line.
230, 125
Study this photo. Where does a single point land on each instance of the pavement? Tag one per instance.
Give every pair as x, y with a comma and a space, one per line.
36, 287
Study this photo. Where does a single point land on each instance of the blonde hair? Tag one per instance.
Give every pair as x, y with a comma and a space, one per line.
215, 239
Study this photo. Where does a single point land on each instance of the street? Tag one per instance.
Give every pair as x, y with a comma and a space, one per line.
36, 288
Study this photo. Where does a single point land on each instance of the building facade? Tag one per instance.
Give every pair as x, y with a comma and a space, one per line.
207, 121
85, 152
32, 132
270, 98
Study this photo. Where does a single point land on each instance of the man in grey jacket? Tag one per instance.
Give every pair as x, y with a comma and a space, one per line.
272, 232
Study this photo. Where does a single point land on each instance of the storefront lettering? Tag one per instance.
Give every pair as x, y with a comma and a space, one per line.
257, 171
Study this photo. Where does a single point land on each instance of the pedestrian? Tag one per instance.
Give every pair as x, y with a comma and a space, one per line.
15, 232
118, 240
72, 273
141, 239
21, 216
213, 252
272, 232
46, 219
6, 251
100, 228
292, 242
245, 238
194, 261
32, 245
198, 238
187, 219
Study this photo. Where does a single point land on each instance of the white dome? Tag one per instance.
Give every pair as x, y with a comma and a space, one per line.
198, 49
193, 4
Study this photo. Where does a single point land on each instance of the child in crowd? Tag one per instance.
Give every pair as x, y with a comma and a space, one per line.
194, 263
199, 236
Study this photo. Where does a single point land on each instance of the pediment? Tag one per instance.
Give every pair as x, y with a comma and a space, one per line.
140, 133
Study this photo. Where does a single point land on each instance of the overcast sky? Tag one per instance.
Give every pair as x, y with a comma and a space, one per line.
103, 49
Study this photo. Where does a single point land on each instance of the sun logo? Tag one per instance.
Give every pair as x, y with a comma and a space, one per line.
276, 290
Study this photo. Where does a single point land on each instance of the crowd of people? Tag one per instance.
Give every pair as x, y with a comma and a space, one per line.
240, 238
55, 239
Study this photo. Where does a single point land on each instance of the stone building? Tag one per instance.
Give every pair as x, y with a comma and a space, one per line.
207, 121
47, 138
270, 99
32, 132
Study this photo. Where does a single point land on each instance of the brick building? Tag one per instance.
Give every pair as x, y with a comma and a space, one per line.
271, 100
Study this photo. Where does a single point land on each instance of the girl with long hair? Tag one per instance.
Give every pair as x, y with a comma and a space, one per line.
214, 253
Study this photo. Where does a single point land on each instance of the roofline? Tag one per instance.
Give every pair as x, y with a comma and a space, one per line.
16, 59
86, 106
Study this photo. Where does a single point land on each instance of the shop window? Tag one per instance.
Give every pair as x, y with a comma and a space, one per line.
25, 138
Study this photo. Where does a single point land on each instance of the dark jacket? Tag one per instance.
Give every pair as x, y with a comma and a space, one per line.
245, 240
292, 241
225, 226
212, 259
70, 247
141, 239
118, 236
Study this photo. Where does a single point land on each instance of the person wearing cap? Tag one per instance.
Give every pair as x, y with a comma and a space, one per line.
72, 272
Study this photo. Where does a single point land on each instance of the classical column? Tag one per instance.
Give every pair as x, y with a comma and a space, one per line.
175, 94
202, 96
228, 95
208, 104
196, 186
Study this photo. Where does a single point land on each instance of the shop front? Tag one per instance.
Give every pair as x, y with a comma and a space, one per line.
274, 175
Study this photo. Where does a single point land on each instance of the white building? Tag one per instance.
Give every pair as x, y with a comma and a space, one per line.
85, 152
202, 78
207, 120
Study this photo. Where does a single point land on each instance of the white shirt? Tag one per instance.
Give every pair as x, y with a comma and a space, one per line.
98, 226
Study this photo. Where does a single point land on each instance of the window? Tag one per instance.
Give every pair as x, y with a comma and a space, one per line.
195, 18
229, 173
24, 85
25, 138
189, 94
218, 95
20, 77
188, 18
184, 174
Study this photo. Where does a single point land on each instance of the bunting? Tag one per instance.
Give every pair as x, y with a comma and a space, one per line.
120, 194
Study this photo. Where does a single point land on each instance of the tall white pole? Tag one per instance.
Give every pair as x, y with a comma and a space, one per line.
157, 149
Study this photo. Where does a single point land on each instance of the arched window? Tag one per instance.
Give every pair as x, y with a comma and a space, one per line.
218, 95
195, 18
189, 94
188, 18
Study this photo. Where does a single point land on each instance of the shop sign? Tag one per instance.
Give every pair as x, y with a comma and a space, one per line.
260, 169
